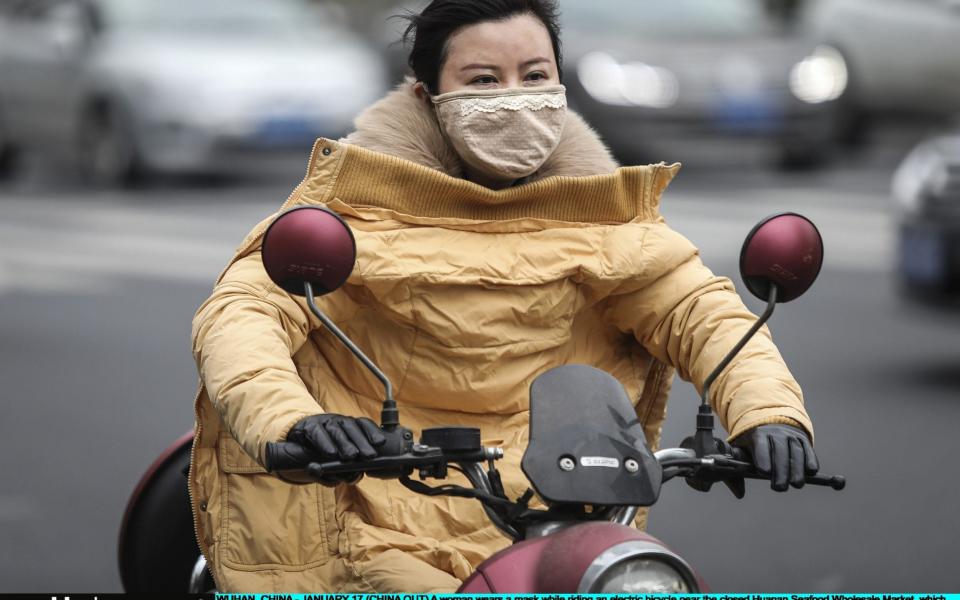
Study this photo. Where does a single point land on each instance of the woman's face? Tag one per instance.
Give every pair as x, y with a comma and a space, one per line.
500, 54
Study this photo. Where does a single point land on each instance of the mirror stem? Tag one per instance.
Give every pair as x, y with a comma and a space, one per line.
390, 416
703, 440
771, 304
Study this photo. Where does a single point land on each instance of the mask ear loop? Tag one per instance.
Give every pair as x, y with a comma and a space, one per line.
419, 87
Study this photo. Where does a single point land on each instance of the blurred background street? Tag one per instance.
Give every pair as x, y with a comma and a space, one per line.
140, 143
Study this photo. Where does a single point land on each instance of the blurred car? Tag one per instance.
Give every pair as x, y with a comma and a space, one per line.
904, 55
8, 154
130, 86
668, 80
926, 187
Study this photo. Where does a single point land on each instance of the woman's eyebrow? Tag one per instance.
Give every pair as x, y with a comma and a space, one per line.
475, 66
534, 61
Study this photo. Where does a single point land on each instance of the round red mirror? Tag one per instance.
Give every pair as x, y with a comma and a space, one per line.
785, 250
309, 244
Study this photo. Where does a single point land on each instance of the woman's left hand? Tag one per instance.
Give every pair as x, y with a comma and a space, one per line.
781, 451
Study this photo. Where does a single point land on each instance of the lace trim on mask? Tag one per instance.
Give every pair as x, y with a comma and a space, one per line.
535, 102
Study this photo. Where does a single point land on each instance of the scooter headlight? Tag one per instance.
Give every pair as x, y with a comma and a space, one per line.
638, 567
643, 576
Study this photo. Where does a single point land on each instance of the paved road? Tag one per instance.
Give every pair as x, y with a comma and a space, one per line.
97, 292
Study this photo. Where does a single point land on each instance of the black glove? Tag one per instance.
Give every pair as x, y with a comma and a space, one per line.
781, 451
336, 437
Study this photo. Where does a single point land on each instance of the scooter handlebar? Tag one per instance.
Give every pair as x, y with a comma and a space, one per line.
728, 464
290, 456
287, 456
837, 482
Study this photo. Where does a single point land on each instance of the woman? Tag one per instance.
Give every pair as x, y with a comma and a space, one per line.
496, 239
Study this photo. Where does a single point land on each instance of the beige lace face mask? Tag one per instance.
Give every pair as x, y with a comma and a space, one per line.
503, 134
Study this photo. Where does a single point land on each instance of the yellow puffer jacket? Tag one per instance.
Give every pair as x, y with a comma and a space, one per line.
463, 296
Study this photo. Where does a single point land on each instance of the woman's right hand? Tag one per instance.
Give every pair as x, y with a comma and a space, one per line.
331, 437
337, 437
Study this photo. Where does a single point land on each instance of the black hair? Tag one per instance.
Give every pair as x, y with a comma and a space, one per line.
431, 30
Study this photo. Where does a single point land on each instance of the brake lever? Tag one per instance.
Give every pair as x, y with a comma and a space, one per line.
737, 486
736, 460
733, 465
382, 467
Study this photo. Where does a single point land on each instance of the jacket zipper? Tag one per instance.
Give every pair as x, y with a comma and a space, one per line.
658, 373
196, 402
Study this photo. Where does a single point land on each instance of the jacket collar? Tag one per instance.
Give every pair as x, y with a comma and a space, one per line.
404, 126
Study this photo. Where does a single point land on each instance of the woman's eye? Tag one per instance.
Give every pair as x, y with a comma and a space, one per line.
484, 80
537, 76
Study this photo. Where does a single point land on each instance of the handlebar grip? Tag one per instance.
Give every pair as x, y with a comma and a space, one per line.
320, 470
837, 482
290, 456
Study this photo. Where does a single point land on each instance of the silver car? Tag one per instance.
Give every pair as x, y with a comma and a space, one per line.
904, 57
125, 87
905, 54
926, 187
702, 79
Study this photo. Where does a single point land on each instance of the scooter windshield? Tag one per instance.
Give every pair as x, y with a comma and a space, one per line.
587, 445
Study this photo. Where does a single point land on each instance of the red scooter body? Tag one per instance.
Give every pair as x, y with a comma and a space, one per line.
553, 564
157, 548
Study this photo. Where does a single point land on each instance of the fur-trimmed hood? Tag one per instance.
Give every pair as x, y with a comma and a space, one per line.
403, 125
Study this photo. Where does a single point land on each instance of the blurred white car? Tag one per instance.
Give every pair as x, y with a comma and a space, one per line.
904, 55
131, 86
711, 78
